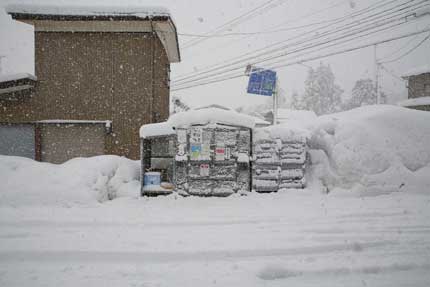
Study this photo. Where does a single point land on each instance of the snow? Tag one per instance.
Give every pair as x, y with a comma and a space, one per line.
417, 71
76, 10
371, 229
14, 77
208, 115
211, 115
107, 123
372, 149
297, 238
78, 181
157, 129
289, 115
421, 101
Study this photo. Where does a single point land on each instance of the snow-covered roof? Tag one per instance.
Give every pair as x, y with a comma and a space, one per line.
421, 101
417, 71
14, 77
211, 115
157, 129
201, 116
142, 12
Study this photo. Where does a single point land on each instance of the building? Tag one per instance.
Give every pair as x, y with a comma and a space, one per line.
418, 89
101, 73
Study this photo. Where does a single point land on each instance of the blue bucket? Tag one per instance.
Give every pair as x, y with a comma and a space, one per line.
152, 178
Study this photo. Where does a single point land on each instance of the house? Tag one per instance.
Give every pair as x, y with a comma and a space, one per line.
100, 74
418, 89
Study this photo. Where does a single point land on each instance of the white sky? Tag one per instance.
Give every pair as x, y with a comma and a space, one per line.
200, 16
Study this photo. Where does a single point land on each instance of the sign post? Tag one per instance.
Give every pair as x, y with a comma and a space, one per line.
264, 82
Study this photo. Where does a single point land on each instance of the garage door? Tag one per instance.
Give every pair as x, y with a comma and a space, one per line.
17, 140
61, 142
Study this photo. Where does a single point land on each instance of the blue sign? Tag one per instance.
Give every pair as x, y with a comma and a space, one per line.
262, 82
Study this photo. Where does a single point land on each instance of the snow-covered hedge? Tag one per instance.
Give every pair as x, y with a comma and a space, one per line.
80, 180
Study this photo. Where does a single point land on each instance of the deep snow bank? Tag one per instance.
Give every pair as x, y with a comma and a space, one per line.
372, 149
80, 180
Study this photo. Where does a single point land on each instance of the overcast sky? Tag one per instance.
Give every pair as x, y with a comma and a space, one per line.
201, 16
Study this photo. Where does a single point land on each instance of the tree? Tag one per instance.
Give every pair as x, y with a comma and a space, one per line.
322, 95
179, 106
363, 94
296, 101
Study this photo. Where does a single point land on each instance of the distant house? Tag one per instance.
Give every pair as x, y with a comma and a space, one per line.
418, 89
102, 72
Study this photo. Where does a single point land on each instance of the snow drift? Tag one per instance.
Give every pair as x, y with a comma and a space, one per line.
372, 149
80, 180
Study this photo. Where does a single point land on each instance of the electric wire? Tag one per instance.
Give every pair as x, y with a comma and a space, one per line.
378, 23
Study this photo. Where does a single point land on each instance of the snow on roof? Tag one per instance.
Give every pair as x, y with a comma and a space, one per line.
202, 116
157, 129
14, 77
211, 115
417, 71
421, 101
143, 12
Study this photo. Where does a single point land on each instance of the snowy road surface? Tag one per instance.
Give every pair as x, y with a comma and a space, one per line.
289, 239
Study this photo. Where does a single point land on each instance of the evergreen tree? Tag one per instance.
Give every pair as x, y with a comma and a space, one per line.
296, 101
322, 95
364, 94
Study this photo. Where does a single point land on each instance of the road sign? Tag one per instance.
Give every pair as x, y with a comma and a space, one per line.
262, 82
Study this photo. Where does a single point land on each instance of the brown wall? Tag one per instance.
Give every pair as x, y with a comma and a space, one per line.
98, 76
60, 143
417, 84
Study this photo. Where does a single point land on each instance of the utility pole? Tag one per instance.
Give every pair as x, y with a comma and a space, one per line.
378, 100
275, 102
1, 64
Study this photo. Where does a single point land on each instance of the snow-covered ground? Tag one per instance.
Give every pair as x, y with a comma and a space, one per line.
285, 239
59, 228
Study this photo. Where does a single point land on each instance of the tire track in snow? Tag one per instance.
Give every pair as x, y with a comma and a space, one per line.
163, 257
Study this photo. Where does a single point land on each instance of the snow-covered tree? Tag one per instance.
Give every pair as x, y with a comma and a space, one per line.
322, 95
296, 101
363, 94
179, 105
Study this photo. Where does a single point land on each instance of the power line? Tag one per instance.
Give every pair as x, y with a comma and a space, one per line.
300, 62
320, 35
321, 56
337, 4
372, 26
408, 52
236, 21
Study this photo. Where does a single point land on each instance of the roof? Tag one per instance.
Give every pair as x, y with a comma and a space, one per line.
16, 85
417, 71
156, 130
50, 12
211, 115
15, 77
133, 19
421, 101
202, 116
